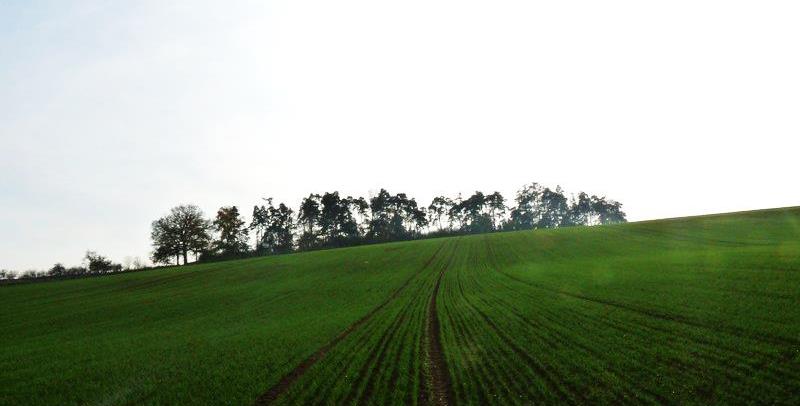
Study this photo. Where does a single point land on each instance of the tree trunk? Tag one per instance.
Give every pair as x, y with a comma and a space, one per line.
177, 259
185, 257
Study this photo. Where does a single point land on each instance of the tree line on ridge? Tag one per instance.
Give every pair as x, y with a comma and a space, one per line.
330, 220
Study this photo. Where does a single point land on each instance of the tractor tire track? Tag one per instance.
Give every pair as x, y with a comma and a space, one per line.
439, 385
378, 356
271, 395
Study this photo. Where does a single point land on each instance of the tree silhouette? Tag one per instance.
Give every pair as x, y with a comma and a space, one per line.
182, 231
607, 211
552, 210
308, 218
438, 209
381, 215
98, 264
232, 232
525, 215
259, 223
496, 204
329, 220
581, 210
278, 236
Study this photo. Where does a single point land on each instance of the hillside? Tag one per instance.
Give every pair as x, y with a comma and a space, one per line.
695, 310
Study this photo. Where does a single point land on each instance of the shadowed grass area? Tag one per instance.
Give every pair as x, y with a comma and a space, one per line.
692, 310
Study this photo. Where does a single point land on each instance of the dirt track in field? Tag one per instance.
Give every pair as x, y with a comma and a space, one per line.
440, 387
286, 382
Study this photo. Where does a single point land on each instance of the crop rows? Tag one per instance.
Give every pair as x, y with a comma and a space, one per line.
386, 358
512, 341
697, 311
512, 326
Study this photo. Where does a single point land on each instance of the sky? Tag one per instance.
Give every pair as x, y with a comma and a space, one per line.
113, 112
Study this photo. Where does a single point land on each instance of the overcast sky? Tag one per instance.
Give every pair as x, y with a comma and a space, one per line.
111, 112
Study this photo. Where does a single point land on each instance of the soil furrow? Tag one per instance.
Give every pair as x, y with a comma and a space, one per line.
376, 358
286, 382
441, 390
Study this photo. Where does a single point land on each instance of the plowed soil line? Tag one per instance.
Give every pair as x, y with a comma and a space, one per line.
440, 387
286, 382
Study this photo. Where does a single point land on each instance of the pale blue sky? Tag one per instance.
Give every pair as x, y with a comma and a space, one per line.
112, 112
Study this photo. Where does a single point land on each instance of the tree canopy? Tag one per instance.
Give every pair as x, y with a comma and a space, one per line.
184, 230
274, 228
232, 232
327, 220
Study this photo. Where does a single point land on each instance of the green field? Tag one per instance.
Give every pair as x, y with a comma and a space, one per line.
697, 310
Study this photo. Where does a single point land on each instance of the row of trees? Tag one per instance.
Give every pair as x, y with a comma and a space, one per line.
329, 220
93, 264
535, 207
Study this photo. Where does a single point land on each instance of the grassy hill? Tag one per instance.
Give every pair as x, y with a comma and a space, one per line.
696, 310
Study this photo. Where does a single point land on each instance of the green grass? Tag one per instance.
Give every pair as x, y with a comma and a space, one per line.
696, 310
